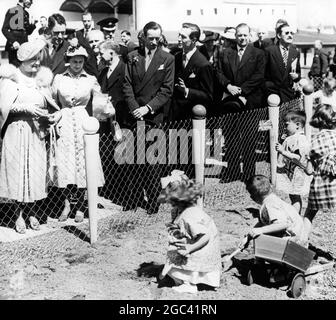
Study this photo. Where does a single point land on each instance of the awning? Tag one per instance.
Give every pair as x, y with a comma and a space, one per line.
73, 6
97, 6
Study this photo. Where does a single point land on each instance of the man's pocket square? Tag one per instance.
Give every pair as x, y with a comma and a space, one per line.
161, 67
193, 75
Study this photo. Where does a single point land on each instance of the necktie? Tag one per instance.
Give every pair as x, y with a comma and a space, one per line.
240, 54
184, 60
285, 56
148, 59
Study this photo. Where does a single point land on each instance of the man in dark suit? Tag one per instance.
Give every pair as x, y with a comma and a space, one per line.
273, 41
283, 65
319, 67
111, 80
126, 45
148, 88
88, 25
262, 41
193, 76
241, 74
16, 28
57, 25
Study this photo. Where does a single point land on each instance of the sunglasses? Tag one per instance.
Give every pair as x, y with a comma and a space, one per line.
289, 32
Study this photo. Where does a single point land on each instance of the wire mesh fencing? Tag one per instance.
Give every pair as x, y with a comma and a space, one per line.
317, 83
236, 147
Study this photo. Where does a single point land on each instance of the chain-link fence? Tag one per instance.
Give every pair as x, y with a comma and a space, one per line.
236, 147
317, 83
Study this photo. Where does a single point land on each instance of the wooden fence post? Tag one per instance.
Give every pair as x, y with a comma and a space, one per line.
273, 113
308, 108
91, 148
198, 143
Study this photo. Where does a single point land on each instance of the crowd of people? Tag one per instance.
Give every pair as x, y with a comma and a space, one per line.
54, 81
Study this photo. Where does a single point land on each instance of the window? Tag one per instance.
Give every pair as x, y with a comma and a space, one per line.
235, 10
215, 10
285, 12
272, 12
248, 11
260, 11
202, 12
188, 12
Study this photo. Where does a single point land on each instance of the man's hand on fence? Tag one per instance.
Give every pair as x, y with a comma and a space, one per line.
140, 112
293, 75
234, 90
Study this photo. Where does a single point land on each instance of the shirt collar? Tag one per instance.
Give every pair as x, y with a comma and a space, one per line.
114, 63
283, 48
152, 51
69, 74
240, 48
190, 54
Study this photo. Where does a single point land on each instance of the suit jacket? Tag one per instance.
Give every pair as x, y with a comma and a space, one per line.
17, 31
154, 87
125, 50
113, 86
320, 63
57, 60
264, 44
198, 77
278, 80
248, 74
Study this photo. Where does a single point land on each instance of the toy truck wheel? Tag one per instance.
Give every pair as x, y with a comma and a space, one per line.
298, 285
249, 278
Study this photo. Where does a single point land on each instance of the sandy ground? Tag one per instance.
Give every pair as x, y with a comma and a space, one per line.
130, 252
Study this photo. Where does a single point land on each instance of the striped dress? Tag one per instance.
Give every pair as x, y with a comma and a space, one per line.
322, 195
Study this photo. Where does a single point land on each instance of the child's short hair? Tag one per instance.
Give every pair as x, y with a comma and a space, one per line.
296, 116
258, 185
324, 117
329, 85
184, 192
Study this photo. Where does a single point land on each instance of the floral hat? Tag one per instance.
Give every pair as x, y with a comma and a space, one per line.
75, 49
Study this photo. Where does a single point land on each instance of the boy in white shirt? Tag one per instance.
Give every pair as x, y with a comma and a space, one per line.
276, 217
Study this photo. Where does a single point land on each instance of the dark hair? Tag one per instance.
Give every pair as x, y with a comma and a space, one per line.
55, 18
240, 25
195, 30
296, 116
163, 41
258, 185
279, 29
183, 193
127, 32
324, 117
151, 26
31, 1
281, 21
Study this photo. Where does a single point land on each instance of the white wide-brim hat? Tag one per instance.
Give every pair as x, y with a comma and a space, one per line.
30, 49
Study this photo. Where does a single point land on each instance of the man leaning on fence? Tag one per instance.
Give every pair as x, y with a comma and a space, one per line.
148, 88
319, 67
241, 74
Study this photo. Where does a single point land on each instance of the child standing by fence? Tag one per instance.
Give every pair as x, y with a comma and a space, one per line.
293, 158
193, 255
322, 195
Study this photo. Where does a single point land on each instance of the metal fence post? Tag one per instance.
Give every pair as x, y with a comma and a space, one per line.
273, 113
91, 148
198, 143
308, 89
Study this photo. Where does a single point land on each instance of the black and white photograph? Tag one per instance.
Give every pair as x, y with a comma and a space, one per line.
167, 151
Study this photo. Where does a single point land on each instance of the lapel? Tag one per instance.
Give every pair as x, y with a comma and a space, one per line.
140, 65
154, 65
233, 60
291, 58
114, 77
188, 70
278, 57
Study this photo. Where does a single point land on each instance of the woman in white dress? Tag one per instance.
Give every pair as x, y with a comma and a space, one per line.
73, 90
24, 121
